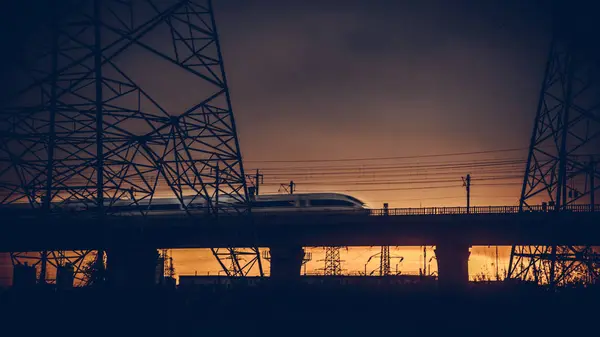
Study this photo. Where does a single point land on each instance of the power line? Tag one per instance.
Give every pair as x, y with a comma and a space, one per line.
503, 161
416, 188
396, 167
394, 182
445, 198
391, 178
432, 170
385, 158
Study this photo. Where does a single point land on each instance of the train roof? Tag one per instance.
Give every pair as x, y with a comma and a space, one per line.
319, 195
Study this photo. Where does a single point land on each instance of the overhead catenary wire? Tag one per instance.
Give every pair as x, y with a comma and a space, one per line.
437, 170
390, 174
484, 172
412, 168
399, 165
388, 158
395, 182
398, 176
407, 174
447, 197
409, 188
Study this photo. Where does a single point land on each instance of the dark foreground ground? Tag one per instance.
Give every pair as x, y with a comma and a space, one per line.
483, 310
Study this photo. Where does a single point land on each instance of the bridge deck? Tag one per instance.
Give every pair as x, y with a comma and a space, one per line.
25, 210
180, 231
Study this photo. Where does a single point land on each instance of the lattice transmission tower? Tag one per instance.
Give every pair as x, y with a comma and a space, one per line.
562, 165
333, 263
122, 100
384, 261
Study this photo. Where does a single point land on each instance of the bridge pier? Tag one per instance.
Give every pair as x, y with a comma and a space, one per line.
453, 265
286, 263
131, 267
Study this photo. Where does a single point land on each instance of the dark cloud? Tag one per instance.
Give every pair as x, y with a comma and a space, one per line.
314, 79
367, 76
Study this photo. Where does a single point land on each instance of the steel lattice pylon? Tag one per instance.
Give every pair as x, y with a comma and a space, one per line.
333, 263
562, 166
384, 261
83, 129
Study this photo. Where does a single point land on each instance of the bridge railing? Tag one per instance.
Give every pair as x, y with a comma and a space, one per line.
23, 211
478, 210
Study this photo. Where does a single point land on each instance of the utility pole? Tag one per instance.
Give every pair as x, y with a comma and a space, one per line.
256, 180
467, 184
592, 184
425, 260
497, 268
288, 188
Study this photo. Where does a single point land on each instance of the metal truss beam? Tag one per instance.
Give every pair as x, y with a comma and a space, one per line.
332, 262
82, 128
562, 165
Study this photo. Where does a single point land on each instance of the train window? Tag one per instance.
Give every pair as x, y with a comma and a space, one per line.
355, 200
330, 202
275, 203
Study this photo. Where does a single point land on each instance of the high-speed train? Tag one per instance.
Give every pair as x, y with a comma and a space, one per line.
260, 204
308, 202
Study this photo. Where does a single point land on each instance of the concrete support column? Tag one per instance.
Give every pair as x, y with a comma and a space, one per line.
132, 267
453, 265
286, 263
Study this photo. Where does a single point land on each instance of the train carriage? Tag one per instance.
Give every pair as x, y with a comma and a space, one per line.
262, 204
308, 202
